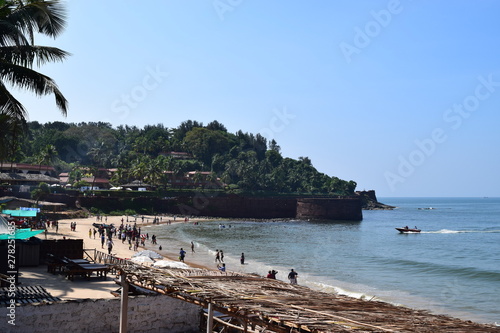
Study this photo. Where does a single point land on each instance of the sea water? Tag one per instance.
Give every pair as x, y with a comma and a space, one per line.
452, 267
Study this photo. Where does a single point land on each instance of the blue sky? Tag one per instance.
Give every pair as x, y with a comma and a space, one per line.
400, 96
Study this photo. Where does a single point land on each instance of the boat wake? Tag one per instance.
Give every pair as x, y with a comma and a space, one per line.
447, 231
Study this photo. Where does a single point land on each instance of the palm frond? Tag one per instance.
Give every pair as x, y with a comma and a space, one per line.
31, 80
20, 20
10, 34
26, 55
45, 17
10, 106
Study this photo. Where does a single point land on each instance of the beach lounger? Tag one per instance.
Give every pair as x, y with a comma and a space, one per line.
86, 270
77, 261
55, 264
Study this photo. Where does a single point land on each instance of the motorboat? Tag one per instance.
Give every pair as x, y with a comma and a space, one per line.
407, 230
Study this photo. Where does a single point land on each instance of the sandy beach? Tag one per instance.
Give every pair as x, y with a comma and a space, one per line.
120, 250
80, 288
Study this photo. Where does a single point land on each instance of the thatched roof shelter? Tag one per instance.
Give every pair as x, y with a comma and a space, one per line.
14, 203
27, 178
254, 303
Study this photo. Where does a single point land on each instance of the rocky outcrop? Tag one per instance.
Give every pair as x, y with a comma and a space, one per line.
369, 201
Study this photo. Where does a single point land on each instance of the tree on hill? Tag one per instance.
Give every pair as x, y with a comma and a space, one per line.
205, 143
243, 161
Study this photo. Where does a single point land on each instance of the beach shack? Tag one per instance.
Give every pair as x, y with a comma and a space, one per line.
14, 250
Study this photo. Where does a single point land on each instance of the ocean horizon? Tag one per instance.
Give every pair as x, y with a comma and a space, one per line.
452, 267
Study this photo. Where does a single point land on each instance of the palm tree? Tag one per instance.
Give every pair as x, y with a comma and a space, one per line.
154, 171
120, 177
19, 21
4, 139
76, 174
97, 154
12, 129
139, 170
47, 156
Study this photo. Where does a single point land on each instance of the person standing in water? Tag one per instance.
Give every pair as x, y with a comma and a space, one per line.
182, 254
272, 274
242, 259
292, 276
192, 247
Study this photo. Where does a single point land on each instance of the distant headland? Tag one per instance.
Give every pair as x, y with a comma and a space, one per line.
369, 201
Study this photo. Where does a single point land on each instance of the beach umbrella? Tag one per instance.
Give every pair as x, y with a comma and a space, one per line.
142, 260
170, 264
148, 253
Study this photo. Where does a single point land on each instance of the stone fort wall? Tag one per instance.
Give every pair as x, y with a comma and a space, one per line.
145, 314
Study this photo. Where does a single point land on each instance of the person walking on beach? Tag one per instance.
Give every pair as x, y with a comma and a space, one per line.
292, 276
242, 259
182, 254
221, 256
192, 247
110, 245
217, 256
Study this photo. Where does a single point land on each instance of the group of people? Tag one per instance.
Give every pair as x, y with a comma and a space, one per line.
272, 274
132, 233
219, 256
292, 276
221, 266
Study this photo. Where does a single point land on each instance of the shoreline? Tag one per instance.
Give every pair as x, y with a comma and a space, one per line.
121, 250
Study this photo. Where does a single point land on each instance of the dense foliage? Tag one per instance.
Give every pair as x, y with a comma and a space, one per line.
242, 161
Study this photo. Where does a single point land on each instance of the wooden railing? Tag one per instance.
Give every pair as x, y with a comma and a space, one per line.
104, 258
